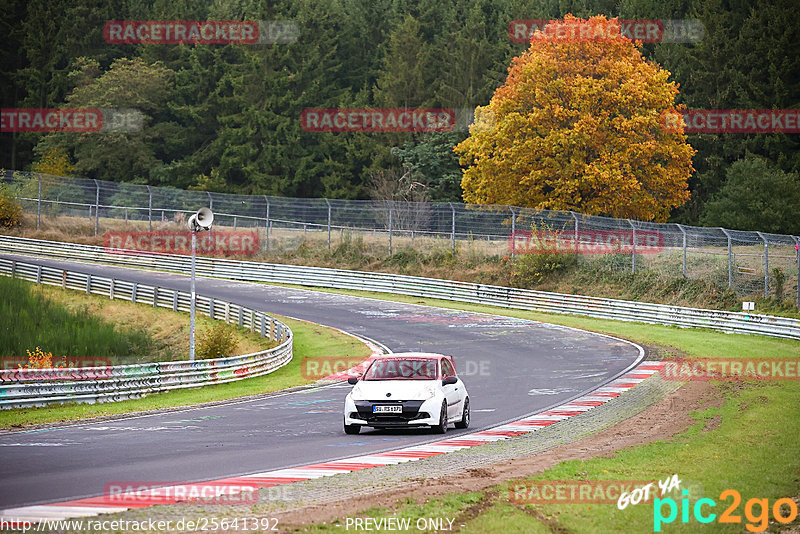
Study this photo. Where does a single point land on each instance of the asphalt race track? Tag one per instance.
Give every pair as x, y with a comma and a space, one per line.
511, 367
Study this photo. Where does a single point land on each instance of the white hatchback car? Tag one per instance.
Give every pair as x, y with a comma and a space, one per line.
407, 390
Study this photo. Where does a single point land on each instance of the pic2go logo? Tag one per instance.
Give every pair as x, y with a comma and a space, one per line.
758, 522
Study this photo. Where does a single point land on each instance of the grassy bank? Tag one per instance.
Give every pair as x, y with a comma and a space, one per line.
71, 323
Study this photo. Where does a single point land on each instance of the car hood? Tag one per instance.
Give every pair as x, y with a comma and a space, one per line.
398, 389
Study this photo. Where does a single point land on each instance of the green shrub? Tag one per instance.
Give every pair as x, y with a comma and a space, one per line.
10, 210
530, 269
218, 341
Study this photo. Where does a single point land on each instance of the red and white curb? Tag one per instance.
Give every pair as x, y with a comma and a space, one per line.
121, 502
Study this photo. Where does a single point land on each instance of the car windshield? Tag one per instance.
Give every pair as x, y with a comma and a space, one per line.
402, 369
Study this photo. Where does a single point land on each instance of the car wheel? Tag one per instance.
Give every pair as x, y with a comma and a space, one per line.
352, 429
464, 423
441, 428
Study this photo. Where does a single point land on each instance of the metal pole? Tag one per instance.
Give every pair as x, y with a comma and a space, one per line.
329, 225
388, 203
730, 257
453, 229
193, 298
266, 230
513, 230
797, 258
149, 209
96, 207
39, 203
210, 201
680, 227
633, 254
766, 264
576, 230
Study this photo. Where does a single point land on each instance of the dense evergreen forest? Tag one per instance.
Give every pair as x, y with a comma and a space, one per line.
226, 117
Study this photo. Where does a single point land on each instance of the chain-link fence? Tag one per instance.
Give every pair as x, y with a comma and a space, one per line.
749, 262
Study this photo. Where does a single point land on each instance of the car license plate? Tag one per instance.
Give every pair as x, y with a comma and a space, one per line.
387, 409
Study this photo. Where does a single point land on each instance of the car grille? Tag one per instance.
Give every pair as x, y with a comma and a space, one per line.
410, 411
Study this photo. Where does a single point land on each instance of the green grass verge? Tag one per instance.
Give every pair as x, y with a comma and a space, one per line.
754, 449
31, 320
309, 340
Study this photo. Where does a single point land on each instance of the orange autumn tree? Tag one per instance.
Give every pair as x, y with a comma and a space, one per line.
576, 127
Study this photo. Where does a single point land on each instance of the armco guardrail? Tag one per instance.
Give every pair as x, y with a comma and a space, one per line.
524, 299
38, 387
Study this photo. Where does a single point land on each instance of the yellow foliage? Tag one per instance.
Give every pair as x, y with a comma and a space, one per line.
55, 161
39, 359
576, 127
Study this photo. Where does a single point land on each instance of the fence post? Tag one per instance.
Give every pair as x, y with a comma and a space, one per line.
513, 230
329, 223
633, 254
96, 207
730, 257
266, 229
797, 258
388, 203
453, 229
39, 203
149, 209
575, 217
680, 227
766, 264
210, 201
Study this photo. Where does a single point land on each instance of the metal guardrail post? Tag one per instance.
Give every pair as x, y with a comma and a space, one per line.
633, 253
730, 257
149, 209
329, 226
766, 264
96, 207
680, 227
453, 228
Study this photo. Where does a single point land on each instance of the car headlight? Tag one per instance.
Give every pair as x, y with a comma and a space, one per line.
429, 392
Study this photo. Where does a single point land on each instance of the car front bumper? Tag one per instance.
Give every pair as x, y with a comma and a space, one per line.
415, 413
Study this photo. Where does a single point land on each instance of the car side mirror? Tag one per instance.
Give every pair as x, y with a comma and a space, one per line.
353, 380
449, 380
